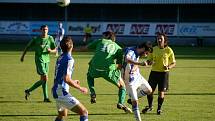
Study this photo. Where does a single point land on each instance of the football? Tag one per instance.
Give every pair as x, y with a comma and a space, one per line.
63, 3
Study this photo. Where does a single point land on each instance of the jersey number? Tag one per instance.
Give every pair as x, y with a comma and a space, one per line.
109, 48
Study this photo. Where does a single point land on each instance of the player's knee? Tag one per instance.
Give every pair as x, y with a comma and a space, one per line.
121, 84
149, 91
62, 114
84, 112
161, 94
134, 103
44, 77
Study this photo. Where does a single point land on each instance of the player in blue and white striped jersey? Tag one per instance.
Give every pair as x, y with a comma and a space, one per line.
136, 85
63, 73
59, 36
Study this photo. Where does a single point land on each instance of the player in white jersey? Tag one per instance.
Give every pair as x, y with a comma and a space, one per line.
63, 73
136, 85
59, 37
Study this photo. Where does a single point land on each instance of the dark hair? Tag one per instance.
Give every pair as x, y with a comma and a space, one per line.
43, 26
66, 44
144, 45
165, 38
109, 35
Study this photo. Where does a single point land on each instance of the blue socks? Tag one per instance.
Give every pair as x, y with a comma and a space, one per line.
58, 119
83, 118
136, 113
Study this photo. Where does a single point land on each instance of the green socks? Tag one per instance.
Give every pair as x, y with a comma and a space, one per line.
44, 86
90, 82
45, 90
36, 85
122, 94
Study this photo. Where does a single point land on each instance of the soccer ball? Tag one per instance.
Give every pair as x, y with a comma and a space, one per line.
63, 3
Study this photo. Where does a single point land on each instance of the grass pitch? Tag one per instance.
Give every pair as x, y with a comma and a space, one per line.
191, 96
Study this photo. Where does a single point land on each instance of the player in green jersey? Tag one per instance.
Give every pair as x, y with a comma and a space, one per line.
43, 46
103, 64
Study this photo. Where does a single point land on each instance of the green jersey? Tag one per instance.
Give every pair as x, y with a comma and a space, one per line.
41, 46
106, 52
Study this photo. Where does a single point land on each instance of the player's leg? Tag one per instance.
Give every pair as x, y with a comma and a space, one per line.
61, 115
57, 45
59, 51
62, 111
153, 83
114, 77
132, 91
85, 39
90, 82
71, 103
144, 88
162, 86
45, 84
82, 111
121, 96
40, 71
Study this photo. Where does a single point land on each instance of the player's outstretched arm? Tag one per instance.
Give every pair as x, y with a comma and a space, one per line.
23, 54
75, 84
128, 60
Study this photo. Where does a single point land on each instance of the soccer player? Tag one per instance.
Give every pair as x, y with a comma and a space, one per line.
103, 65
162, 59
136, 85
88, 33
43, 46
63, 79
59, 37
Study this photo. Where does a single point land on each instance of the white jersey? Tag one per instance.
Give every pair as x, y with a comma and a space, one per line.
136, 85
131, 70
60, 34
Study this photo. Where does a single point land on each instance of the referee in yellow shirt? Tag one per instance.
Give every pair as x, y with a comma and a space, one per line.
162, 60
88, 33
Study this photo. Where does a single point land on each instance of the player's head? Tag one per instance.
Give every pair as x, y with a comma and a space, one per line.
44, 30
109, 35
143, 49
60, 24
66, 44
162, 40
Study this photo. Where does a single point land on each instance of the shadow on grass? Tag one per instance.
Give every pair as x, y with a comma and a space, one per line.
193, 67
190, 94
15, 101
196, 58
174, 94
46, 115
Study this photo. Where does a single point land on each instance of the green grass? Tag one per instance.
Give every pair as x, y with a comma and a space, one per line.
191, 96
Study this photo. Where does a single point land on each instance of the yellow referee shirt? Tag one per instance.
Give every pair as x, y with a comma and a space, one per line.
88, 30
160, 58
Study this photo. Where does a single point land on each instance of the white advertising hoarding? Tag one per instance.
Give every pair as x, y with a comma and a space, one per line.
196, 29
120, 28
14, 27
123, 28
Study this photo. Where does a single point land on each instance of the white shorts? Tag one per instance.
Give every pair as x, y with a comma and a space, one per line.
66, 102
138, 87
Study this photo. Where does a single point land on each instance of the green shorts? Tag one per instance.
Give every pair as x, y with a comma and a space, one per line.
42, 68
111, 76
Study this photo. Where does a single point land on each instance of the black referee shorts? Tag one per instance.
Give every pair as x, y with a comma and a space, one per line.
159, 78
